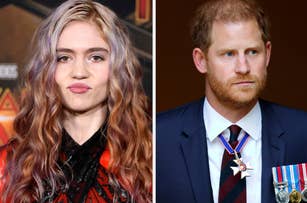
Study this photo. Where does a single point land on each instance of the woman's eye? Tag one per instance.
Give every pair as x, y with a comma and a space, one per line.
62, 59
96, 58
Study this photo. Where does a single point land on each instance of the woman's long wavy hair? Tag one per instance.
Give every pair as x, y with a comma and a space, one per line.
32, 154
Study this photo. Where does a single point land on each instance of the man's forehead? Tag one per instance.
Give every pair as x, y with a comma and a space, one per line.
230, 27
233, 34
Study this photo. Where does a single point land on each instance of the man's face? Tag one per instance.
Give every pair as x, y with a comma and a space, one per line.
236, 63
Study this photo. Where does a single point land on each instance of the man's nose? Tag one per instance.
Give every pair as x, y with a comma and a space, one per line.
242, 66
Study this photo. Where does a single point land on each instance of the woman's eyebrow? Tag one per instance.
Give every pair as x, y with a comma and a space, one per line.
93, 49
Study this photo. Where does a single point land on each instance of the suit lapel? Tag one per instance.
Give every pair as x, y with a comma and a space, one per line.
273, 150
194, 148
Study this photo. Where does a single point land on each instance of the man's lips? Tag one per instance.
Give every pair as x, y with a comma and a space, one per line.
79, 88
244, 82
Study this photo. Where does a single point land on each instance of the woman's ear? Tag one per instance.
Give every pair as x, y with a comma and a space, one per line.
199, 60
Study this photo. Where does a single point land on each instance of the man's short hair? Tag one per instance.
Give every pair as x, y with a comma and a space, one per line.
225, 11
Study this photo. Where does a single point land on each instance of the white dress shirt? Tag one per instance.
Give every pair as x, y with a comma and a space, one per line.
250, 123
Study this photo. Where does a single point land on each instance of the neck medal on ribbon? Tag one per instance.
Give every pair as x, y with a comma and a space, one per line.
241, 166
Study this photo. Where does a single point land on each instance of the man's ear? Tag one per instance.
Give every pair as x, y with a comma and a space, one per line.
268, 48
199, 60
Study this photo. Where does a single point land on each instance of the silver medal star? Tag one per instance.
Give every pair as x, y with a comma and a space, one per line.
241, 167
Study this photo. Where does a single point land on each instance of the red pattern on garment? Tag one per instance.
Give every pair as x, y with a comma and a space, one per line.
62, 198
105, 158
2, 166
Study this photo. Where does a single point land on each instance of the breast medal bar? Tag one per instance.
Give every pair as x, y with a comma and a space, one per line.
290, 183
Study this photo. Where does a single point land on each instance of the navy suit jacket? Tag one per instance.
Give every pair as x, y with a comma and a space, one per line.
182, 168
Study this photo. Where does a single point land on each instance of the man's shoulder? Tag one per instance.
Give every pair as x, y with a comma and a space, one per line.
291, 119
178, 113
282, 111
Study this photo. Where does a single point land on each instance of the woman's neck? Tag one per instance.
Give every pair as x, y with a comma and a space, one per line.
81, 126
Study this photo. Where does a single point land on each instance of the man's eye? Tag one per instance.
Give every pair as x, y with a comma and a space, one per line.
252, 52
229, 53
62, 59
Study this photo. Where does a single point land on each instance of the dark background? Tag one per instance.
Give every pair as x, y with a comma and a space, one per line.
179, 82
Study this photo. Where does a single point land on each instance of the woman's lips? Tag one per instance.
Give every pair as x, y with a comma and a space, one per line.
79, 88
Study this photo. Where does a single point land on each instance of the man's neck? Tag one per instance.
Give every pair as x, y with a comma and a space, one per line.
229, 111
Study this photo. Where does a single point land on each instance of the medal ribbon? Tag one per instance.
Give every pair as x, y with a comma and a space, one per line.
277, 177
303, 175
294, 177
239, 146
284, 175
305, 171
303, 181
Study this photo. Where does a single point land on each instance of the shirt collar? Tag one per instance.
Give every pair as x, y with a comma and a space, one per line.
250, 123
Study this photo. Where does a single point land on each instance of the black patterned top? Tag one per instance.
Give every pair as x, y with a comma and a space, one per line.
89, 180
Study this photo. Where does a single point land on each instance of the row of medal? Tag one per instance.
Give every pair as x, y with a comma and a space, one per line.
290, 183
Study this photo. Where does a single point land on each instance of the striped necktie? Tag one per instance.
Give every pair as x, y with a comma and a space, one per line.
232, 188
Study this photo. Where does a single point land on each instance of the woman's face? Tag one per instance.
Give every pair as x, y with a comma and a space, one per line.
82, 71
